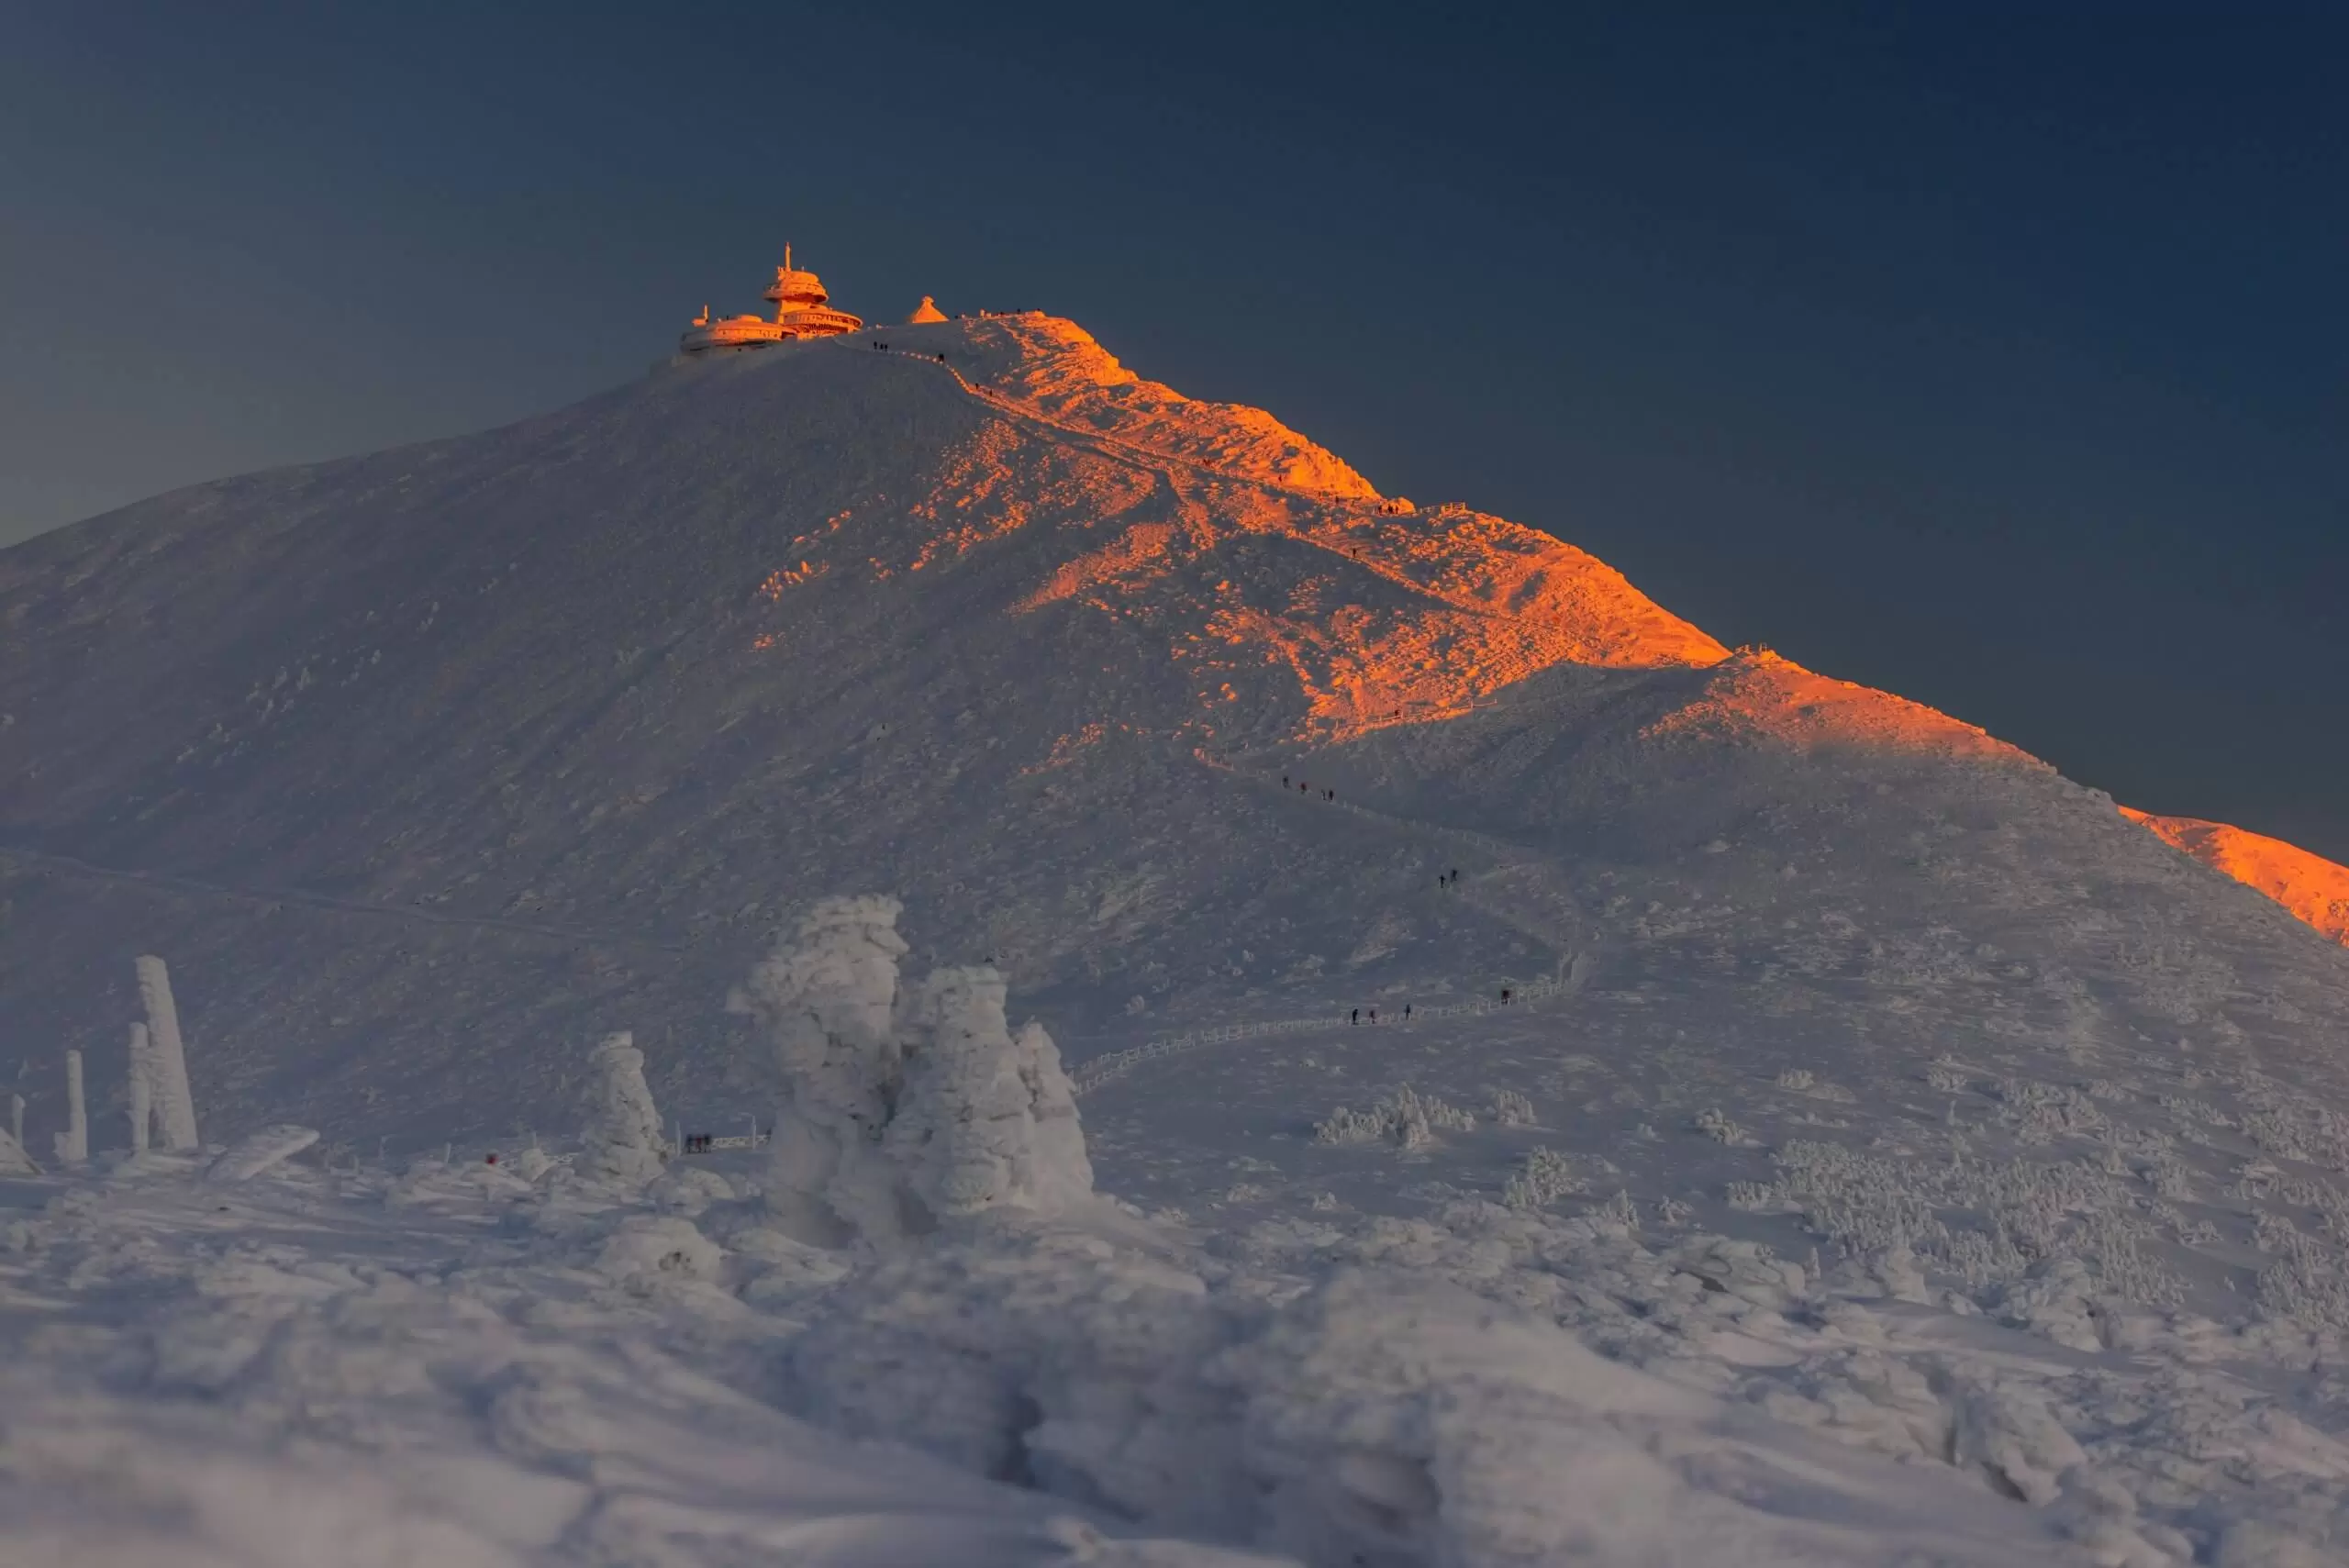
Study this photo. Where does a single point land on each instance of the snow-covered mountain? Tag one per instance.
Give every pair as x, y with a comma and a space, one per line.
1465, 965
423, 767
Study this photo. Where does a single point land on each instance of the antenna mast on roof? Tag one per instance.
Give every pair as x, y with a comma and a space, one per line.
786, 256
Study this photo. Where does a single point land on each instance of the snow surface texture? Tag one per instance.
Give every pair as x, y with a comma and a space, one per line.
1932, 1159
463, 1365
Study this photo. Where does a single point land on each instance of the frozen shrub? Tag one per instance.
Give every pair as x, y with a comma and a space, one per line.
1512, 1109
2040, 1113
1619, 1211
1404, 1117
1946, 1077
1347, 1125
1544, 1178
1441, 1116
1719, 1127
1796, 1078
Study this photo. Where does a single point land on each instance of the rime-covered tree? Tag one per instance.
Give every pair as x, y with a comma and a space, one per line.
167, 1058
622, 1138
142, 1088
73, 1143
828, 1000
905, 1108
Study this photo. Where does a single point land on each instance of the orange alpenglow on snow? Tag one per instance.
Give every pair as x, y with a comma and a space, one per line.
1758, 693
1278, 571
2313, 888
925, 313
1378, 613
800, 311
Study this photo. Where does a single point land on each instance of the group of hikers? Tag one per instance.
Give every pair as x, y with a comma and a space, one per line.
1448, 879
1356, 1016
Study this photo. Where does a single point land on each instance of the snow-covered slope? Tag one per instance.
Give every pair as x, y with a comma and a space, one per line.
424, 766
1885, 1099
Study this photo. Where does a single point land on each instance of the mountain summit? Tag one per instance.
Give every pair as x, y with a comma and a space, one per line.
425, 766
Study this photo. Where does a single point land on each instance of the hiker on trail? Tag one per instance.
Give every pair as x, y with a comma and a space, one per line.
1407, 1012
1284, 781
1356, 1016
1374, 1015
1455, 873
1504, 995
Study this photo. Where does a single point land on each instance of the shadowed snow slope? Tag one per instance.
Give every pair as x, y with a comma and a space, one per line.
427, 768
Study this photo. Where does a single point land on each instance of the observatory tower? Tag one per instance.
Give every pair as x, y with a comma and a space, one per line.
800, 311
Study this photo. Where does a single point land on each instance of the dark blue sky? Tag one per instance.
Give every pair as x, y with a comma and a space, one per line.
1993, 353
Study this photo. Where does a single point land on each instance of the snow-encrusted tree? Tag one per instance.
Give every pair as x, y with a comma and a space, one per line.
174, 1103
622, 1138
143, 1088
1064, 1172
902, 1109
984, 1120
828, 999
73, 1143
961, 1137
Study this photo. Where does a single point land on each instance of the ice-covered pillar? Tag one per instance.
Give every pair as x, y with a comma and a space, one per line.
73, 1143
175, 1104
143, 1088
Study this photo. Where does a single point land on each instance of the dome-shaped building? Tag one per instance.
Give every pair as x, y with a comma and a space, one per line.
800, 311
